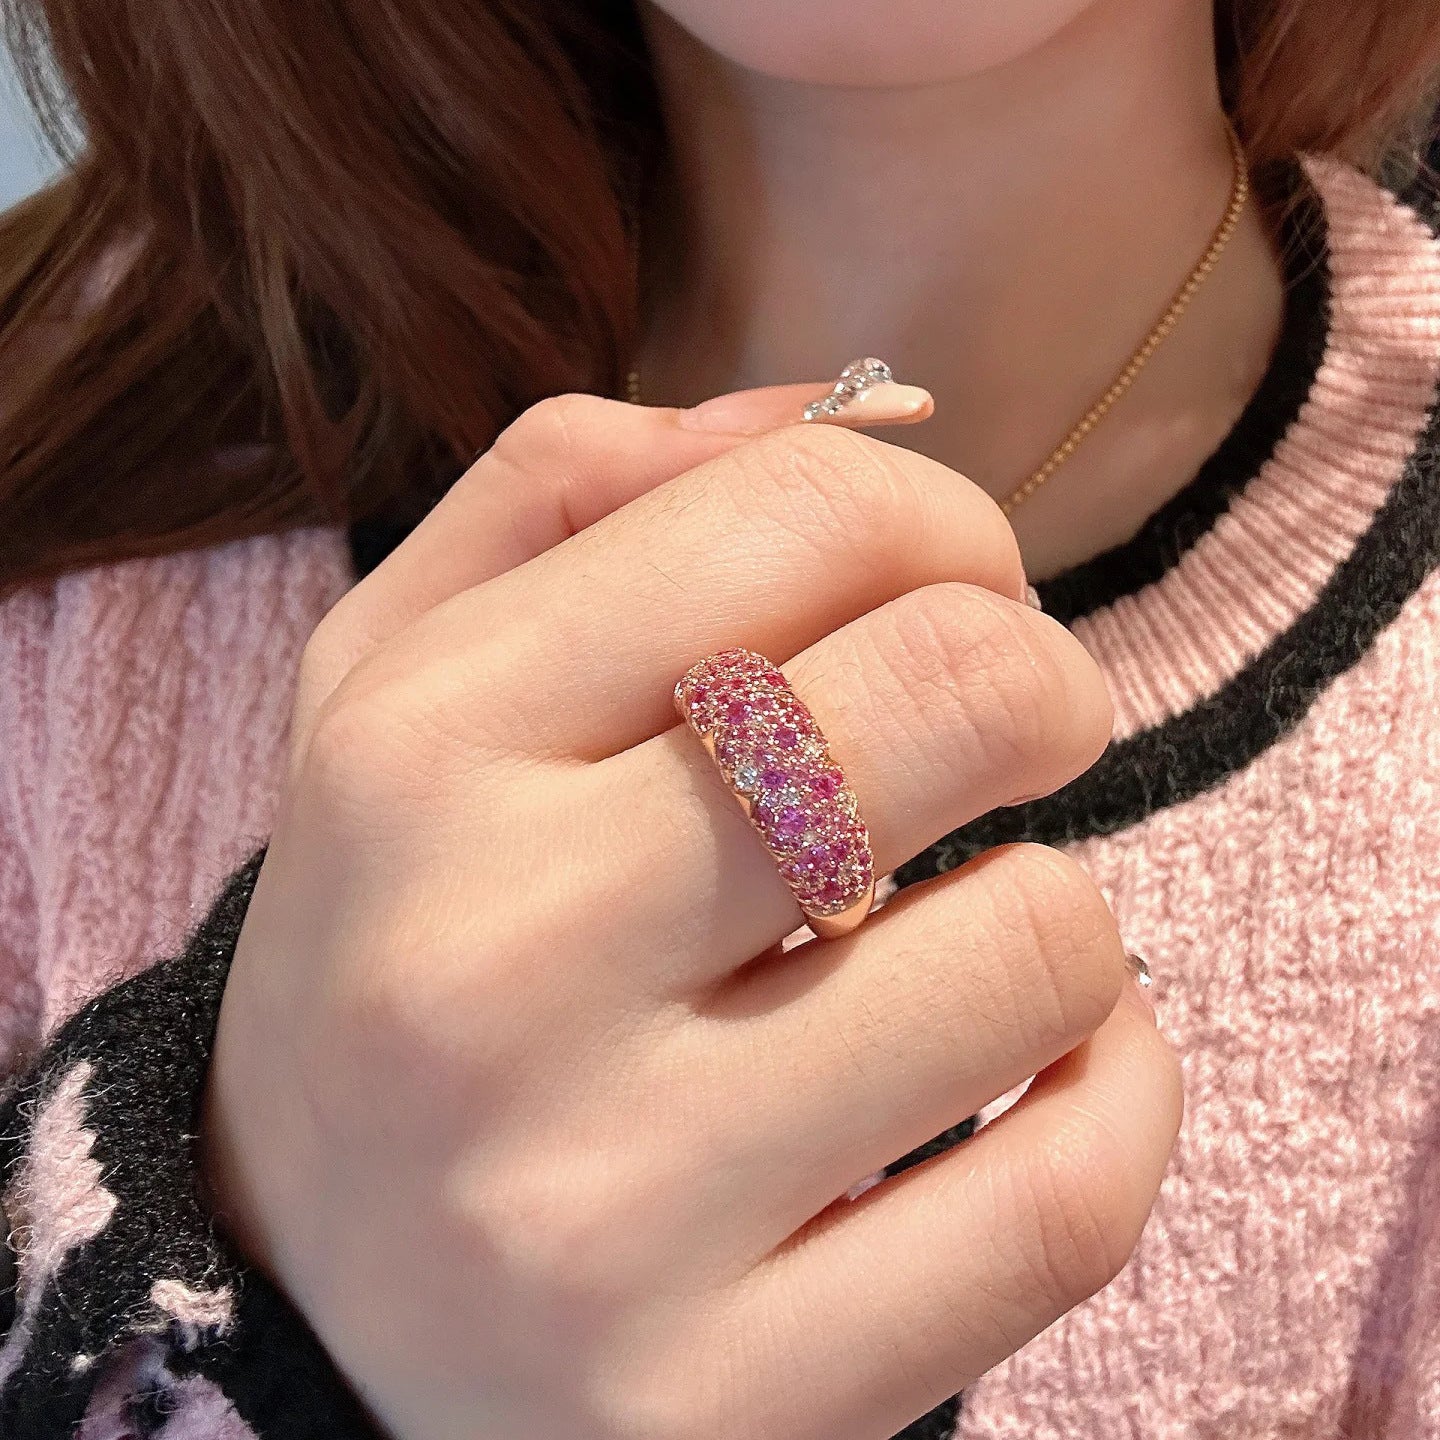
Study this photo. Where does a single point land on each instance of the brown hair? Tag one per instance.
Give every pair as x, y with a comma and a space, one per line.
310, 258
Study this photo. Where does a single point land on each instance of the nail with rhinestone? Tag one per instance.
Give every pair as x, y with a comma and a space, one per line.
870, 385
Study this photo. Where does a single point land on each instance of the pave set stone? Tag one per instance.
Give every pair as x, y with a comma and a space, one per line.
856, 377
771, 751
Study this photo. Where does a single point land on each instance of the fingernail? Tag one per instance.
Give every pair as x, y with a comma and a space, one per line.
884, 405
867, 388
1025, 800
861, 1186
1142, 983
1032, 598
861, 397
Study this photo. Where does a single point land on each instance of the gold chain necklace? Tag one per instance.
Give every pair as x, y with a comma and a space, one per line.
1140, 356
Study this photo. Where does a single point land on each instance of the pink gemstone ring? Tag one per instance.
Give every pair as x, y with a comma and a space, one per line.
776, 763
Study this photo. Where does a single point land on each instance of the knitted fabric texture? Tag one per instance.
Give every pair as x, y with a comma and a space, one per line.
1266, 826
131, 1314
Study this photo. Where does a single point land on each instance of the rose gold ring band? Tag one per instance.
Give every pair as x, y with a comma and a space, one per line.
774, 759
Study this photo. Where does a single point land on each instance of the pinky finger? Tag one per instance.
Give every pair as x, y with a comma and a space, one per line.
878, 1311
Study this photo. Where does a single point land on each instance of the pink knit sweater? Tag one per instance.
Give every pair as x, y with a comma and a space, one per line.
1267, 827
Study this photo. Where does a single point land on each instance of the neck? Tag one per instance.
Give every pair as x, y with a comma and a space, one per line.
1005, 240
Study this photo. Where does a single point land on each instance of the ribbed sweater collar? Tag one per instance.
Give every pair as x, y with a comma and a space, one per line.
1300, 539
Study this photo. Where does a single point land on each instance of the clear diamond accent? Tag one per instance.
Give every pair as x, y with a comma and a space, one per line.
857, 377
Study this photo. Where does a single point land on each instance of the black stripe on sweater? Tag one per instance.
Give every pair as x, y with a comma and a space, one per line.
1289, 378
1195, 751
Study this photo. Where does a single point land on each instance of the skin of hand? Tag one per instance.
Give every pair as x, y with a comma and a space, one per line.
514, 1093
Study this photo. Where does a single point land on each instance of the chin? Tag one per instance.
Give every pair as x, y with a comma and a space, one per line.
872, 42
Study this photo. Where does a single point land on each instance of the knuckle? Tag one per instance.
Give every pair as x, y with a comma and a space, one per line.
1084, 696
341, 746
380, 1026
571, 1230
331, 637
846, 494
549, 429
383, 1011
956, 650
1034, 700
1083, 1228
332, 646
1067, 955
364, 756
427, 1014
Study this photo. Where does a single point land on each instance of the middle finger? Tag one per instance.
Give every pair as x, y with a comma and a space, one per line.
939, 706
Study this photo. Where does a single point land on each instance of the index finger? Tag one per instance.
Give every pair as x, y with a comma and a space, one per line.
564, 464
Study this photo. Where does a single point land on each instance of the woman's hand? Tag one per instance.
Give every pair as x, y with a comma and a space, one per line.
514, 1094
